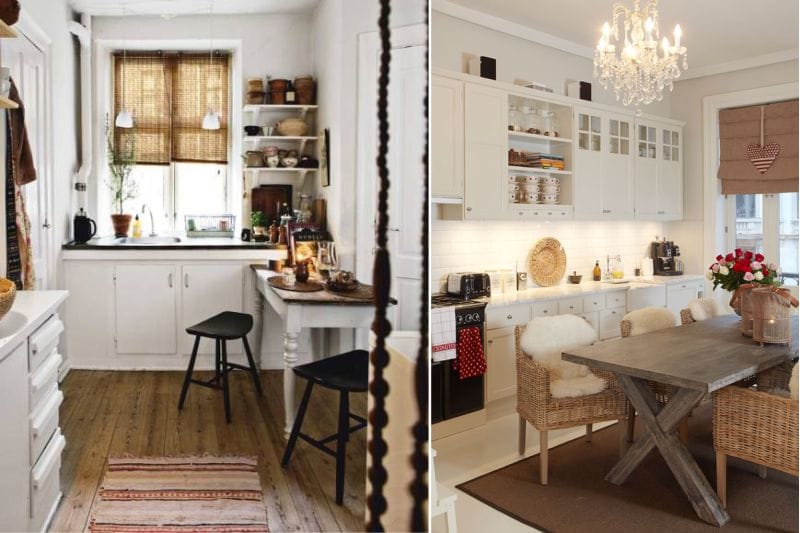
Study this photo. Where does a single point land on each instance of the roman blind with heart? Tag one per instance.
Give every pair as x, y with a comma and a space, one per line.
758, 149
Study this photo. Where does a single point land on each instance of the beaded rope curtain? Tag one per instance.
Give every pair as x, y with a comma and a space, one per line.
419, 459
381, 279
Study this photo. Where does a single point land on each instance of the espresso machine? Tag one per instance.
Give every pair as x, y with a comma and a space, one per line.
665, 258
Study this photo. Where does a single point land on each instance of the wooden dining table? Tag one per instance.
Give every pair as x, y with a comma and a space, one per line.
696, 359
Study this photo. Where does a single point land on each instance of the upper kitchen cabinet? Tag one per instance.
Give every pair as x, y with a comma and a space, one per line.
485, 113
447, 137
659, 170
603, 165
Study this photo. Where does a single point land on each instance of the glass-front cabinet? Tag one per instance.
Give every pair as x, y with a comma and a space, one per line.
658, 170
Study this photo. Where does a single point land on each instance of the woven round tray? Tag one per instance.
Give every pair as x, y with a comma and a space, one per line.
547, 262
310, 286
360, 292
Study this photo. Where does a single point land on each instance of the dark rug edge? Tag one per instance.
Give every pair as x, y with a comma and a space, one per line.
463, 486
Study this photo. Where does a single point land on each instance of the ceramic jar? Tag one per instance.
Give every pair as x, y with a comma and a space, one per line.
271, 156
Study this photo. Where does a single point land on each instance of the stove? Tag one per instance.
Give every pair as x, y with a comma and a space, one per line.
450, 396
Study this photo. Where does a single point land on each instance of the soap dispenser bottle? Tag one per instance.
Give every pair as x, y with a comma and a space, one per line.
137, 228
596, 271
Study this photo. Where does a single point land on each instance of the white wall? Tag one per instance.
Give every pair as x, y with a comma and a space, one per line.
52, 17
336, 26
451, 38
687, 105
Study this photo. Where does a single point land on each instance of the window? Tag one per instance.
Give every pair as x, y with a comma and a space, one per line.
181, 168
768, 224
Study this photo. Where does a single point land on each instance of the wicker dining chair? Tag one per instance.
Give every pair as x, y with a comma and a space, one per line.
536, 405
662, 391
756, 425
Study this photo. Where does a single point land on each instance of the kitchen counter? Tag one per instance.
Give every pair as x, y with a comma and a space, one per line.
585, 288
30, 310
185, 243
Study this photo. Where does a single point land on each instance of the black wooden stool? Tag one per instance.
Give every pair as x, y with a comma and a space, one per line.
222, 328
347, 372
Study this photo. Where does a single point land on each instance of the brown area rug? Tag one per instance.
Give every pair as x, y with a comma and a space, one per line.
578, 499
167, 494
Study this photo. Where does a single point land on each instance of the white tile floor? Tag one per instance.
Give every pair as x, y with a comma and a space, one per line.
467, 455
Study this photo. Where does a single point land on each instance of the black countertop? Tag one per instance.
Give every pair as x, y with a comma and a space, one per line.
202, 243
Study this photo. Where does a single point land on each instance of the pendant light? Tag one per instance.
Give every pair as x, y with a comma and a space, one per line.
124, 117
211, 119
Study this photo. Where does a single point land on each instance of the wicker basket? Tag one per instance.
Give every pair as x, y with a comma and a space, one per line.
547, 262
742, 303
8, 293
292, 127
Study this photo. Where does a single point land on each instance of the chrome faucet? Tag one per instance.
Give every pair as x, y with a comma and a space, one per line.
152, 224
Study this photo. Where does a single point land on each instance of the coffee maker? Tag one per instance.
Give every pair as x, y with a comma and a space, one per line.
665, 258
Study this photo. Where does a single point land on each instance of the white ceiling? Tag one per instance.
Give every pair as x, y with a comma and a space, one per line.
170, 8
715, 32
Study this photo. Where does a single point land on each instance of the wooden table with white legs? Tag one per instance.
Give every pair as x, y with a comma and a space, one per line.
697, 359
301, 310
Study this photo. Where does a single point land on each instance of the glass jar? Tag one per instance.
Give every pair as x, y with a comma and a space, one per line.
514, 118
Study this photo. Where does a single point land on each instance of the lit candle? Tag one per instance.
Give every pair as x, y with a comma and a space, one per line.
606, 30
665, 46
677, 34
648, 27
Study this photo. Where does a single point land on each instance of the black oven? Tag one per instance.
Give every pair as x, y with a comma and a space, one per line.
451, 396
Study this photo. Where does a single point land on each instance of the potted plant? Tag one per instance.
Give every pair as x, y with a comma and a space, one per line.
121, 160
257, 221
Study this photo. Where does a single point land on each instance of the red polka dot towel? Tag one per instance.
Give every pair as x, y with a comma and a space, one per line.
470, 360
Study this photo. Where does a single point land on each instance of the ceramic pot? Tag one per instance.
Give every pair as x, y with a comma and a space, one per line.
9, 11
292, 127
122, 224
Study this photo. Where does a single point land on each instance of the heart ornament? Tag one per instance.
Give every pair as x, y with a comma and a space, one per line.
762, 157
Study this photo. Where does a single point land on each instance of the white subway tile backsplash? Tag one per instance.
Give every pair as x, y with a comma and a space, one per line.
477, 246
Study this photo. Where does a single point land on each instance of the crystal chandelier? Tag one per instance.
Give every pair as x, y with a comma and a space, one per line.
639, 73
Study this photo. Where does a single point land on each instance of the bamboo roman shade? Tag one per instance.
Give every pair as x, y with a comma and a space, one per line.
749, 166
168, 95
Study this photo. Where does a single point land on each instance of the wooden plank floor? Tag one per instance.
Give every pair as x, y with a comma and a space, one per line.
115, 413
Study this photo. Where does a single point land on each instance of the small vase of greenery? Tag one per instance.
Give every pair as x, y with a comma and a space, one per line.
257, 221
121, 159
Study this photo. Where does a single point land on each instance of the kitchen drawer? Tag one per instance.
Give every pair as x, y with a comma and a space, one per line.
570, 306
43, 341
609, 323
45, 483
592, 319
693, 285
44, 379
510, 315
548, 308
44, 422
615, 300
594, 302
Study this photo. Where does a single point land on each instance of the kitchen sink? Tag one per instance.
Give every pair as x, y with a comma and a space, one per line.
148, 241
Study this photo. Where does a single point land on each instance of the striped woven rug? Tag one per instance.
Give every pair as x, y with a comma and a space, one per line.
168, 494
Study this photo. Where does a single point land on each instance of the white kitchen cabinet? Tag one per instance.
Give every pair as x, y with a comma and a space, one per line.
486, 141
501, 367
145, 298
447, 137
206, 290
14, 463
603, 165
652, 296
658, 170
680, 294
609, 323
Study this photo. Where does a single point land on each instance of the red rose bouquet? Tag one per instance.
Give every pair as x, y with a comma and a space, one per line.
732, 270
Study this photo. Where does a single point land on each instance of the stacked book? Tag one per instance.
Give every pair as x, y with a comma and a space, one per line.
540, 160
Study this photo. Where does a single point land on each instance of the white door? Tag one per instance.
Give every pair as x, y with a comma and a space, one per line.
406, 145
207, 290
670, 173
501, 369
27, 64
407, 197
646, 171
145, 309
589, 161
618, 169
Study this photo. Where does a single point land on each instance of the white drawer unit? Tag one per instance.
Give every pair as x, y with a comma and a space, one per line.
615, 300
609, 323
570, 306
44, 378
641, 297
44, 422
594, 302
547, 308
45, 483
506, 316
43, 341
679, 295
593, 320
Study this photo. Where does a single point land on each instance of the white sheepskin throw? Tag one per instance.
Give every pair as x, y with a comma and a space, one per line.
705, 308
793, 383
546, 337
649, 319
